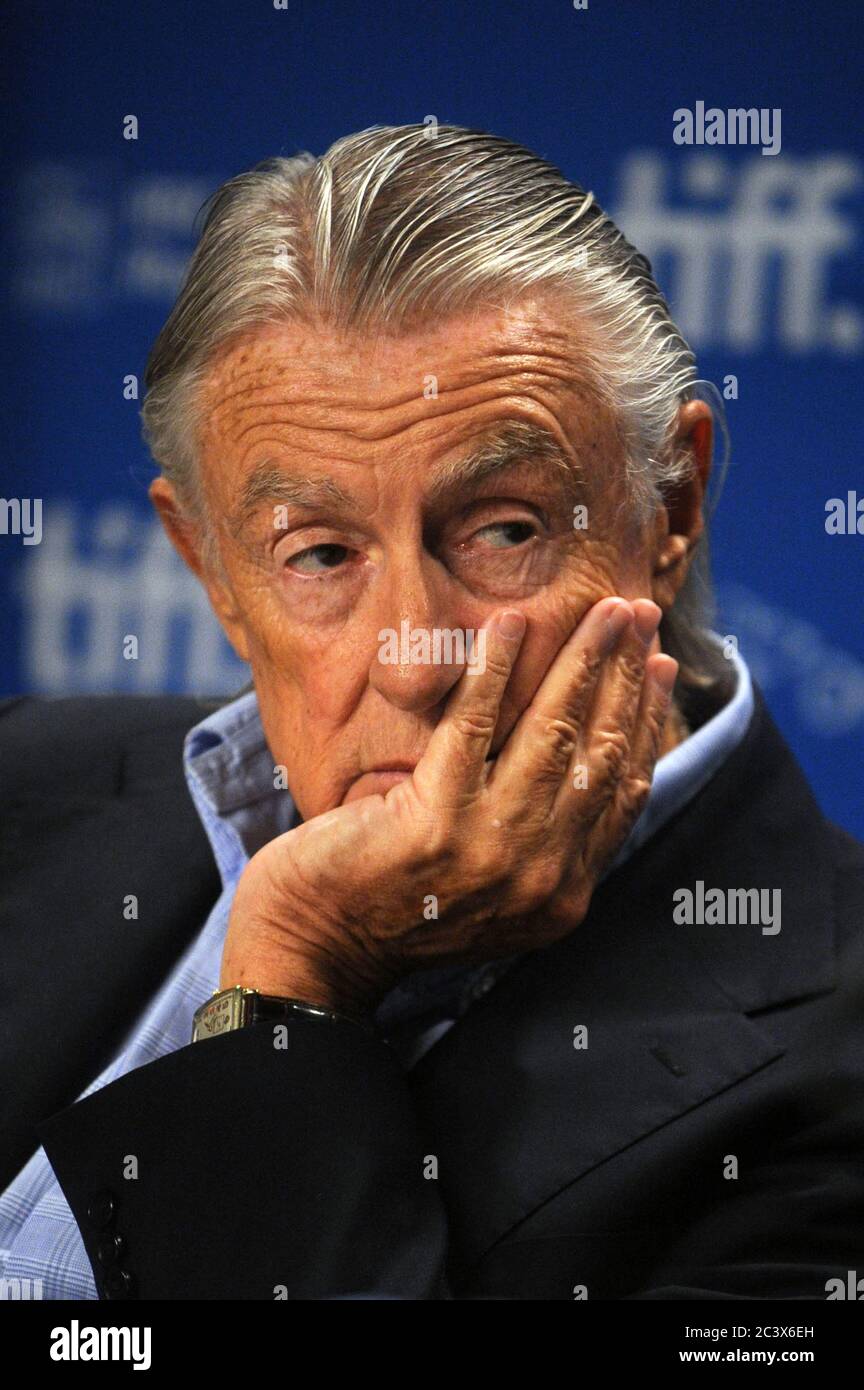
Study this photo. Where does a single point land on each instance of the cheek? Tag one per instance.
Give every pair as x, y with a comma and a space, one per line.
306, 714
278, 643
308, 688
310, 674
309, 680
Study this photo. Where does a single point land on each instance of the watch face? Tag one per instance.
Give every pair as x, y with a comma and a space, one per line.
223, 1013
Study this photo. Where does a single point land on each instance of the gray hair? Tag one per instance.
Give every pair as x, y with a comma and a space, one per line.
397, 224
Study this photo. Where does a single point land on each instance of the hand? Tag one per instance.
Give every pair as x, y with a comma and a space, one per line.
471, 858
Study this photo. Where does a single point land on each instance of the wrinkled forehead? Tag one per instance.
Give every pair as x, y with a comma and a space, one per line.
307, 392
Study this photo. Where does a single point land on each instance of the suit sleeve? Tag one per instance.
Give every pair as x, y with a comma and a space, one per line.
236, 1168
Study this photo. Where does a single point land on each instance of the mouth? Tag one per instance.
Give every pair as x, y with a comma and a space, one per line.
379, 780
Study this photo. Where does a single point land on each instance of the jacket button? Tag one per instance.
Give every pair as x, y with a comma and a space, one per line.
101, 1209
118, 1283
109, 1250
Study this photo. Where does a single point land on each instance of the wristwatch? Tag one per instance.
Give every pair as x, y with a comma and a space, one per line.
239, 1006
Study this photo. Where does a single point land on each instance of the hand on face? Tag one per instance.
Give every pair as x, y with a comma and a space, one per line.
468, 857
519, 782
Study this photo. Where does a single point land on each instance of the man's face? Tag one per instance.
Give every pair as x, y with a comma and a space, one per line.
350, 475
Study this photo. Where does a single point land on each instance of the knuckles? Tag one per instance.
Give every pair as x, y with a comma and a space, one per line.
536, 885
558, 737
568, 909
635, 794
610, 754
632, 667
497, 666
590, 662
474, 723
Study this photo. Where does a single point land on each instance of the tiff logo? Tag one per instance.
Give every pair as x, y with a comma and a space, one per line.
100, 577
750, 248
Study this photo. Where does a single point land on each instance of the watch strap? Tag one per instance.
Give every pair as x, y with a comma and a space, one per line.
240, 1007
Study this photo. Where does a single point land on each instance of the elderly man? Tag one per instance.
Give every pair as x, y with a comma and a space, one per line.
532, 973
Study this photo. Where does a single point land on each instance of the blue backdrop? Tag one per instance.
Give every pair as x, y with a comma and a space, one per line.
760, 255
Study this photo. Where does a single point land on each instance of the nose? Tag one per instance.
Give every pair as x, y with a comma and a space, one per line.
421, 648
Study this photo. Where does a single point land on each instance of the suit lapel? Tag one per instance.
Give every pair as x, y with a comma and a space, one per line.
515, 1113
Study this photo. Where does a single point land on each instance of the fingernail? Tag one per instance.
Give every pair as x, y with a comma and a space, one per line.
618, 621
511, 625
647, 621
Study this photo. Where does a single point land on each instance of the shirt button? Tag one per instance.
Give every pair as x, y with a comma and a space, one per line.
101, 1209
119, 1283
109, 1249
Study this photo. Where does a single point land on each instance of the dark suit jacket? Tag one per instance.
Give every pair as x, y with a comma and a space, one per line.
306, 1170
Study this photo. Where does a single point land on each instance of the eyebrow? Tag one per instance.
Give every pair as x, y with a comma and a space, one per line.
512, 444
269, 483
515, 443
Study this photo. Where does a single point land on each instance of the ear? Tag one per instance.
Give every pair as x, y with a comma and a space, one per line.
679, 521
186, 538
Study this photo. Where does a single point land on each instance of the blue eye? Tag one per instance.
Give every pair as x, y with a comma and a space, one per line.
318, 559
513, 533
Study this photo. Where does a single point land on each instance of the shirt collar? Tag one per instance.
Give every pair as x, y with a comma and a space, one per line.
234, 783
681, 773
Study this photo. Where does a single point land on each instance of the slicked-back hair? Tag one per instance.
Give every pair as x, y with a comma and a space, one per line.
397, 226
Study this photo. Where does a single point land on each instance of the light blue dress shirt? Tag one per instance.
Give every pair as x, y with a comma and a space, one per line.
230, 773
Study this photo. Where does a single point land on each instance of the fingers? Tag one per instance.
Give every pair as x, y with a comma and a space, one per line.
634, 786
661, 672
456, 754
593, 727
535, 762
614, 715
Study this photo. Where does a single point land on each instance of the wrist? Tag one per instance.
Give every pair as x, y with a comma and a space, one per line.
287, 982
308, 974
241, 1007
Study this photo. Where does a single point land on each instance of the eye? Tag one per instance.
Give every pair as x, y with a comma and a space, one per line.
318, 559
502, 535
